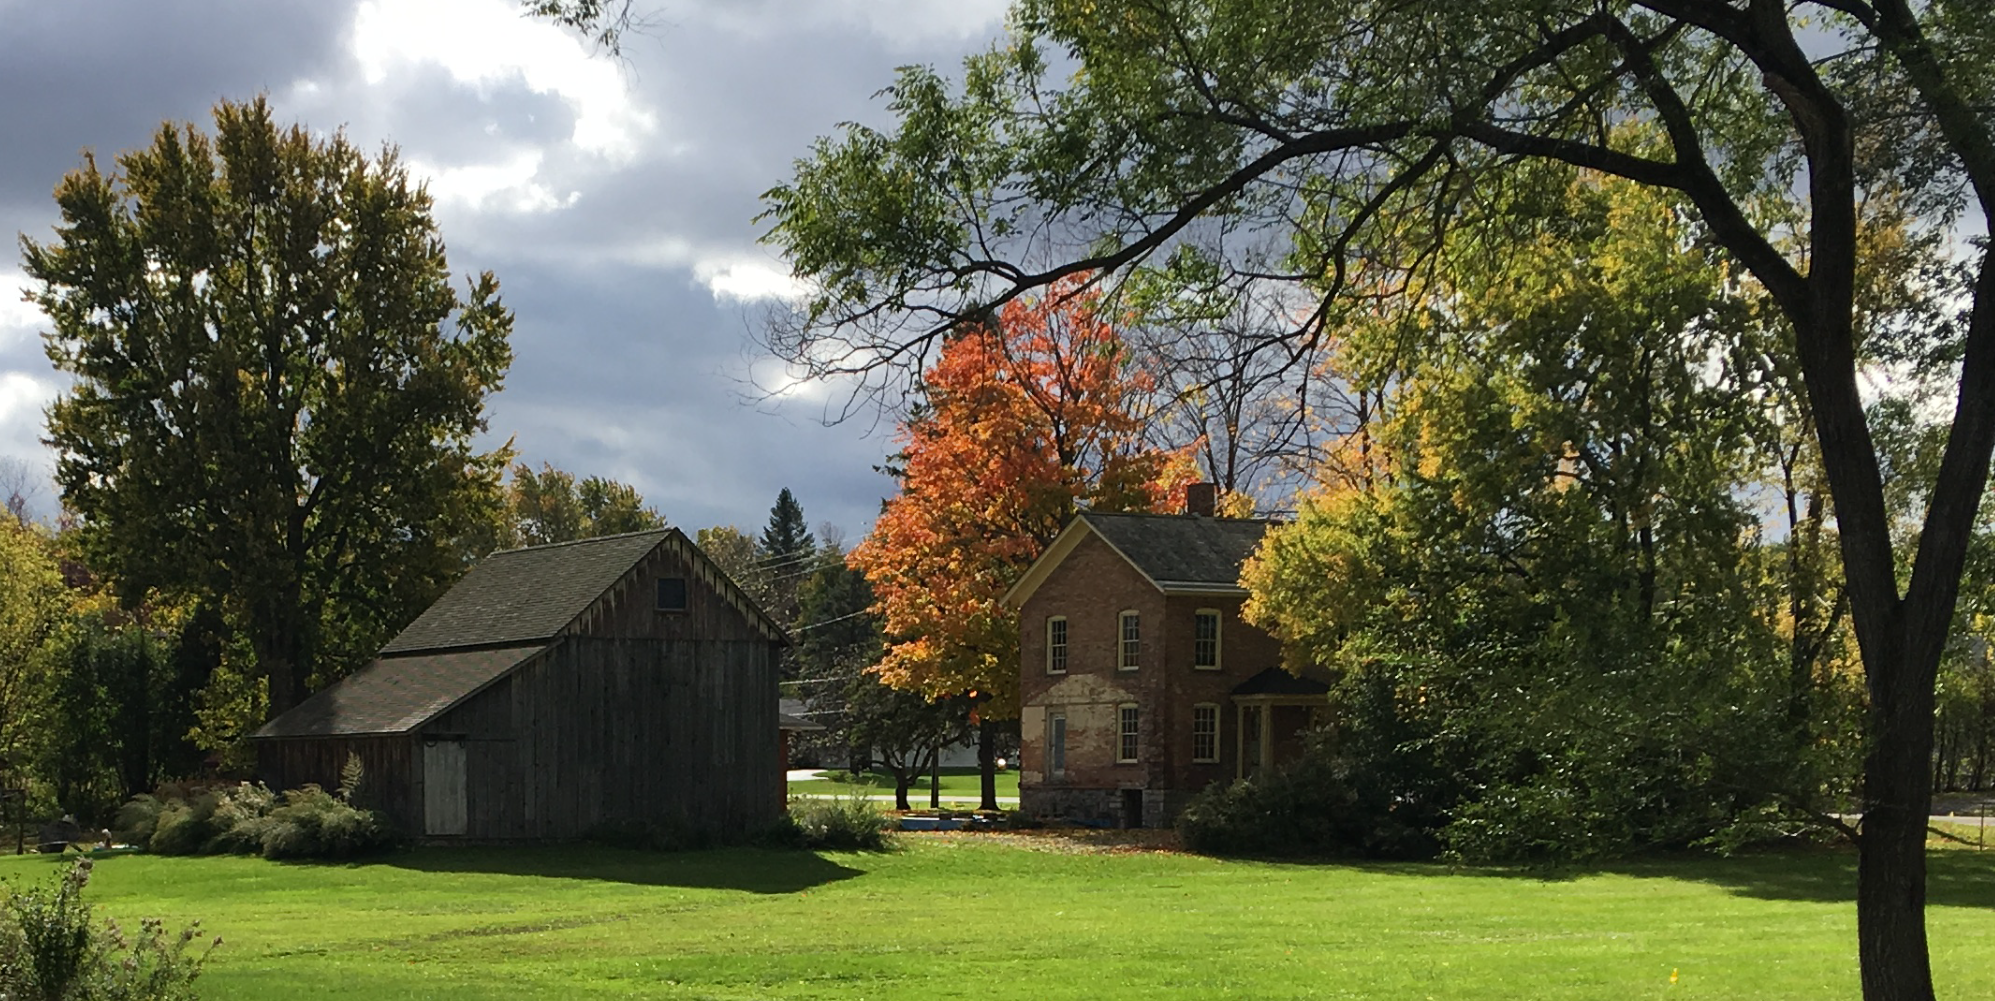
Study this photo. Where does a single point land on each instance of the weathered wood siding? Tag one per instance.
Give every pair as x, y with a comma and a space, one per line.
601, 729
629, 609
392, 782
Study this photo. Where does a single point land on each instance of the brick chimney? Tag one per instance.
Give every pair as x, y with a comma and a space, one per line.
1201, 498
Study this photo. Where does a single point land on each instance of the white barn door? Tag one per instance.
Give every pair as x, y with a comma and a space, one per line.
443, 787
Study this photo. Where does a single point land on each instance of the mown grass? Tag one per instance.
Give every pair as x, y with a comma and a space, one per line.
977, 917
957, 783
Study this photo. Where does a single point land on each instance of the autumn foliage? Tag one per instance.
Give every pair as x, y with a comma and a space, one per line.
1025, 422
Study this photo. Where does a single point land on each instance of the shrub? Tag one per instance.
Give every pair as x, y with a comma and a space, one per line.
850, 824
313, 823
185, 827
49, 951
1319, 805
249, 819
138, 820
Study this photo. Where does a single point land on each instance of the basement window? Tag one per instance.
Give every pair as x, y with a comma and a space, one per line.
671, 594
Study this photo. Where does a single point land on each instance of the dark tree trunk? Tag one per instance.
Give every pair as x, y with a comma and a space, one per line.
903, 781
987, 763
935, 779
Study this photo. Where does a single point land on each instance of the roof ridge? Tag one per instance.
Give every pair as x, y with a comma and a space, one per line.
1177, 516
667, 530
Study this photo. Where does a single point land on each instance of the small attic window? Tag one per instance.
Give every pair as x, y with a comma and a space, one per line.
671, 594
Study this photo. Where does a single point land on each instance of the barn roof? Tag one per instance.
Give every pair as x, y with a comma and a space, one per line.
524, 595
1177, 553
397, 694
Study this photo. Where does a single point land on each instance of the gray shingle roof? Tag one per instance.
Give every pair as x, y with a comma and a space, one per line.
397, 694
1175, 549
522, 595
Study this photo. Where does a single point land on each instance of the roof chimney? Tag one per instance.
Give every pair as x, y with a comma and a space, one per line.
1201, 498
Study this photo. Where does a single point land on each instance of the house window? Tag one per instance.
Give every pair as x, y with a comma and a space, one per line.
1056, 645
1132, 641
1205, 733
1056, 744
1126, 724
671, 594
1205, 639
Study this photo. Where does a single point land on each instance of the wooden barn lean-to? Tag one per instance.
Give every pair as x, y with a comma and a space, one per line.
556, 688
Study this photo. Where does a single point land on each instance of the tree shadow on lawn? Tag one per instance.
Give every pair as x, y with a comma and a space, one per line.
754, 870
1953, 878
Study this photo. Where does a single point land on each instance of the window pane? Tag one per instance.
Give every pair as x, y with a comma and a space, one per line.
1127, 750
671, 594
1056, 645
1205, 733
1132, 639
1205, 640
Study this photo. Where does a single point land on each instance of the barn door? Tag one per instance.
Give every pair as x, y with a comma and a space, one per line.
443, 787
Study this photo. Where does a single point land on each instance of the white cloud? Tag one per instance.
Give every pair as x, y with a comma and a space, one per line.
18, 320
22, 397
747, 280
509, 185
485, 43
902, 23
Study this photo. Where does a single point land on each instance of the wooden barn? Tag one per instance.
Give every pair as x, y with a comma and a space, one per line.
556, 688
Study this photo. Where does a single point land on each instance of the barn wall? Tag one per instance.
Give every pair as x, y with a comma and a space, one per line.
393, 771
629, 609
601, 729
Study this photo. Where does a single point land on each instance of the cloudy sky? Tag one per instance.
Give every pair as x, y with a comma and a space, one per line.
613, 199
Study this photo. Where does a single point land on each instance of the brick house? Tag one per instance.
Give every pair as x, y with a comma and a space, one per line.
1139, 683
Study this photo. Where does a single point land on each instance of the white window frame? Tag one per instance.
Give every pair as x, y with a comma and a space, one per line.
1128, 733
1128, 652
1212, 758
1058, 664
1218, 627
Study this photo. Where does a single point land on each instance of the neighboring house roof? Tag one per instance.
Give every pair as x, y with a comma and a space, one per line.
397, 694
1275, 681
508, 607
790, 716
1179, 554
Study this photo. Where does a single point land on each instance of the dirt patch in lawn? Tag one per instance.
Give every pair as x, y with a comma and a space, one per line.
1070, 840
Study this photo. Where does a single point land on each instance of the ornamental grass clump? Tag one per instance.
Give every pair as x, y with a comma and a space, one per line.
250, 819
51, 951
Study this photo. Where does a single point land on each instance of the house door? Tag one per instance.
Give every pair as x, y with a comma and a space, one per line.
443, 787
1253, 742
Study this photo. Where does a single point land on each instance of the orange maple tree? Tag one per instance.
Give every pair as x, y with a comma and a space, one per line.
1026, 421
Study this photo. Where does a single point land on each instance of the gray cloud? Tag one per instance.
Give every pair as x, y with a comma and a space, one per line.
612, 199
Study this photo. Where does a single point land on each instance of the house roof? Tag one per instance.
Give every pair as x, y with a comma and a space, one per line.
1177, 553
1275, 681
790, 716
397, 694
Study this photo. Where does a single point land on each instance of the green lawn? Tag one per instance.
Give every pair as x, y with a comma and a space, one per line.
966, 917
957, 783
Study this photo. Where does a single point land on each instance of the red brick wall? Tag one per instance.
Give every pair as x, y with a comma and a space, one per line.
1091, 587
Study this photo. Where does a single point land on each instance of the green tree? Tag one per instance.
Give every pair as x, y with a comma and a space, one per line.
1266, 141
550, 506
275, 387
1556, 576
34, 605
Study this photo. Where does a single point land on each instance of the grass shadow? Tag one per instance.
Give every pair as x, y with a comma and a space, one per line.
752, 870
1956, 878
